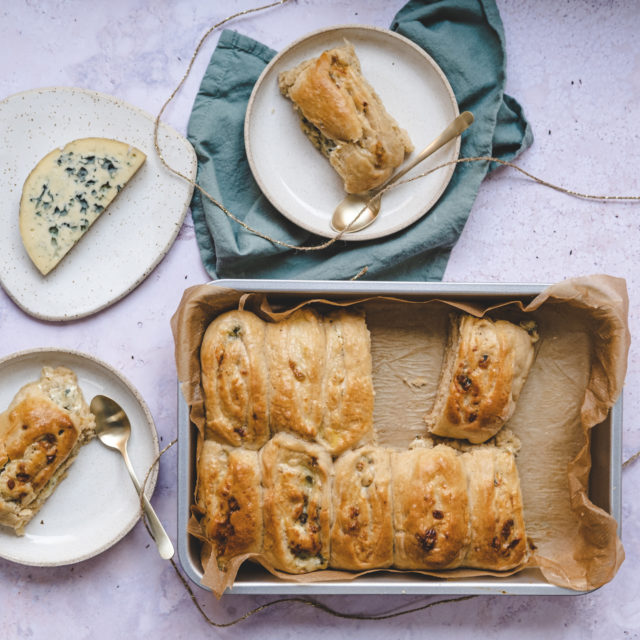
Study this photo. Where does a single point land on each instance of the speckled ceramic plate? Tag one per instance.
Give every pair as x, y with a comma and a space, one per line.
96, 504
124, 245
298, 180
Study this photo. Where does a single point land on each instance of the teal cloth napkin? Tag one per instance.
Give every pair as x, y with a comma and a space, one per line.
466, 39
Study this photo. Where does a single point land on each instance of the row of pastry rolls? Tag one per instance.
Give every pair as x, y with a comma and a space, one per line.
420, 509
309, 375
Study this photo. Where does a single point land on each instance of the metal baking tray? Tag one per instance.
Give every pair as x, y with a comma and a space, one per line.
604, 484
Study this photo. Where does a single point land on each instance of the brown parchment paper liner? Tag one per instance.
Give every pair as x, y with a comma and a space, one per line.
577, 376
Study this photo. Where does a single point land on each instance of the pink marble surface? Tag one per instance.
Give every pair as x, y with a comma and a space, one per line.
574, 65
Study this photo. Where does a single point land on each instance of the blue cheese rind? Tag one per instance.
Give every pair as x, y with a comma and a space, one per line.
68, 190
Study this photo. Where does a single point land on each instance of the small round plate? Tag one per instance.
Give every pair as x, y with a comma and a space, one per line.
129, 239
96, 504
299, 181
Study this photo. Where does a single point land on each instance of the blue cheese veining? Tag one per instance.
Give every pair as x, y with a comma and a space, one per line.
67, 191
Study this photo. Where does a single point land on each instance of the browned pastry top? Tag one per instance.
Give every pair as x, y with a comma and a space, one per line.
344, 117
430, 508
230, 496
297, 503
39, 437
485, 368
234, 379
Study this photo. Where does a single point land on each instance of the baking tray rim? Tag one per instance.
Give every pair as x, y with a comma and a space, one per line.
378, 583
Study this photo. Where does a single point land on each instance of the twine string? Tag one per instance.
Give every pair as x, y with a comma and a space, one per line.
631, 460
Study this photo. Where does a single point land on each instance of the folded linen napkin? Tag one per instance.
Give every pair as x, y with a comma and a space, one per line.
466, 39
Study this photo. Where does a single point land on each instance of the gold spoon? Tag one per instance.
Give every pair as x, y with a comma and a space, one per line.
367, 204
113, 429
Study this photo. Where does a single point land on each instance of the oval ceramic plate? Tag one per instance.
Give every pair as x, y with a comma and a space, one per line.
124, 245
299, 181
96, 504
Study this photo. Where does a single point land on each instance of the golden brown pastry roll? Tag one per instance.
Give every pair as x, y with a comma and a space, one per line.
348, 386
229, 497
362, 531
345, 119
296, 355
235, 380
485, 366
296, 476
430, 508
498, 538
40, 435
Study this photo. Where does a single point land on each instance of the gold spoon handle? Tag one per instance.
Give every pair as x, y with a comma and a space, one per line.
457, 126
165, 547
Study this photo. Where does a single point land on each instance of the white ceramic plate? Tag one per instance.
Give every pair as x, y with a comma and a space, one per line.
96, 504
128, 240
298, 180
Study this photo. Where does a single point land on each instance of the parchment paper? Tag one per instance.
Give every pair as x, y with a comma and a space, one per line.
576, 377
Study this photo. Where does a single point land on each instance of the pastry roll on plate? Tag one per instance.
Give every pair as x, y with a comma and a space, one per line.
40, 435
296, 476
235, 379
362, 530
485, 366
430, 508
229, 495
345, 119
497, 530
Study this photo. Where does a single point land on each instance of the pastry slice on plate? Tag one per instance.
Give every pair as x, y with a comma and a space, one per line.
345, 119
41, 433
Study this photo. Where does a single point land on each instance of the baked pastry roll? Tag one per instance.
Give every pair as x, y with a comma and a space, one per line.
296, 355
362, 530
40, 435
229, 498
345, 119
430, 508
235, 380
498, 539
485, 366
296, 476
348, 386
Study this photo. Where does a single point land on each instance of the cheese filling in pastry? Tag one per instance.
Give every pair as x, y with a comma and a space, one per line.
40, 435
485, 366
345, 119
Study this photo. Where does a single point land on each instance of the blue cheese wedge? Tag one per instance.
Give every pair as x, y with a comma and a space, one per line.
67, 191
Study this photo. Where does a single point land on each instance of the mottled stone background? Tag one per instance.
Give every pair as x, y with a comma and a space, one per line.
575, 67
